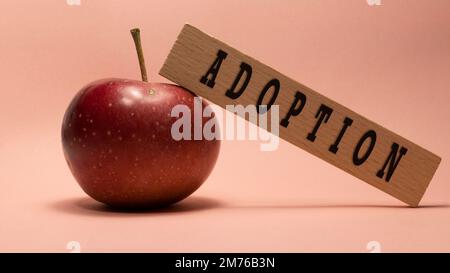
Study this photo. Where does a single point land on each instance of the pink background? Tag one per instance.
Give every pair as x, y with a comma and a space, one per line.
390, 63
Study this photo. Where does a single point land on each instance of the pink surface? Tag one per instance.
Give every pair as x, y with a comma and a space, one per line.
390, 63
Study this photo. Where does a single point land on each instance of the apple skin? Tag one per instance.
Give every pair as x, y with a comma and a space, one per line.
116, 137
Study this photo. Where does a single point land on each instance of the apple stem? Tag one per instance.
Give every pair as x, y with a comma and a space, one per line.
136, 33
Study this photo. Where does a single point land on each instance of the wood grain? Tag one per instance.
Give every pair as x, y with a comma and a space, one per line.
194, 52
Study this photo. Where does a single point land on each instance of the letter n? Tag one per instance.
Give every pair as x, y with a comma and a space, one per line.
393, 161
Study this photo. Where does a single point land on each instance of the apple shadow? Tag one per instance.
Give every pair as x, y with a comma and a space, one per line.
89, 207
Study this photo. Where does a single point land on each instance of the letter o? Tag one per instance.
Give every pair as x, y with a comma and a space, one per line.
373, 138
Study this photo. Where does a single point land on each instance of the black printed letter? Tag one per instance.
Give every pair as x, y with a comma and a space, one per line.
373, 138
347, 123
294, 110
248, 71
214, 69
392, 161
276, 84
323, 114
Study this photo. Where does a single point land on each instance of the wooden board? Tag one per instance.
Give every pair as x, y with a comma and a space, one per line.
385, 160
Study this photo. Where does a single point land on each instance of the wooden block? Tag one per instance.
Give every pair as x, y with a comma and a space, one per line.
309, 120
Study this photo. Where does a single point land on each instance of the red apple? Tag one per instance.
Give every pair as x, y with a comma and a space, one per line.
117, 141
